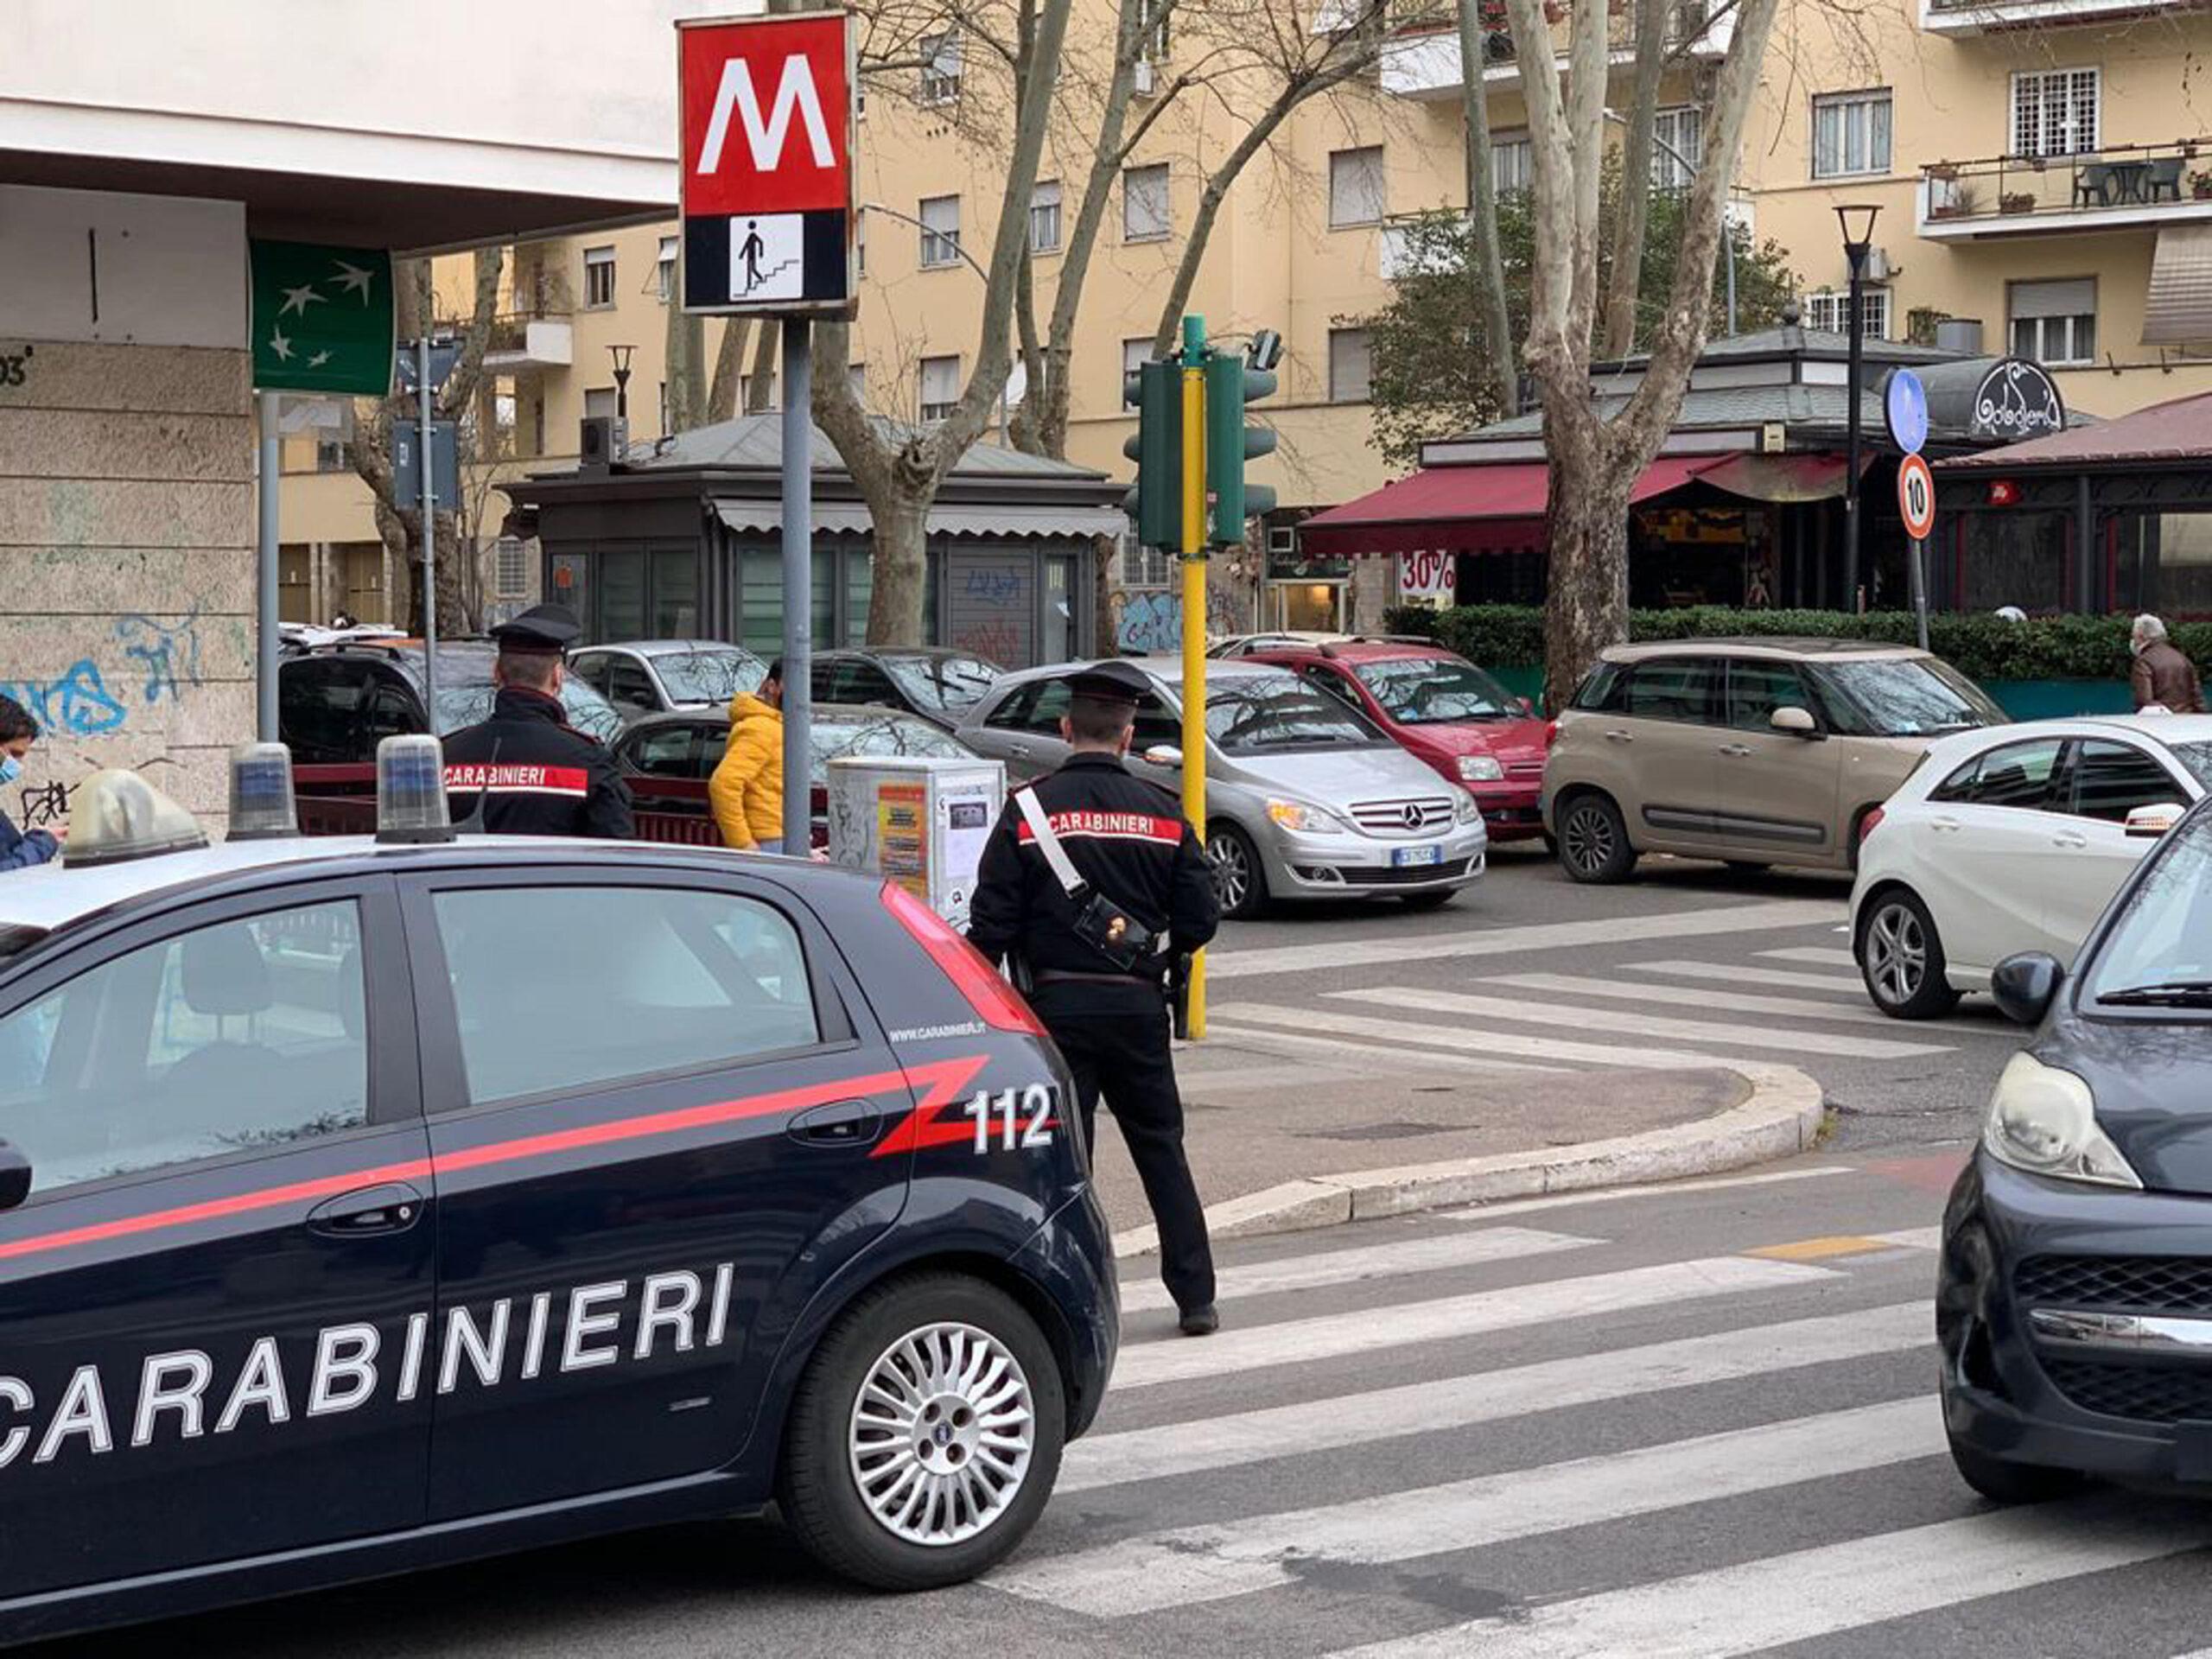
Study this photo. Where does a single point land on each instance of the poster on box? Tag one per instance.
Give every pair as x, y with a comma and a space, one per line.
902, 835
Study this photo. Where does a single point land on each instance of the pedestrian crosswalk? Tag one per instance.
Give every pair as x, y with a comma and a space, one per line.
1714, 1454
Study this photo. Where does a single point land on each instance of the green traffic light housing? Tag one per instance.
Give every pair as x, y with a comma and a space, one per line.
1231, 383
1155, 500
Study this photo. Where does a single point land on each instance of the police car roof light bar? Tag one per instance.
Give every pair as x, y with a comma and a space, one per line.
411, 791
996, 1003
261, 806
118, 816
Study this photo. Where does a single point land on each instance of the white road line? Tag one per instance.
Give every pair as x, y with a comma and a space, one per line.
1480, 1213
1431, 1255
1781, 1599
1774, 979
1264, 1435
1178, 1359
1232, 963
1366, 1054
1209, 1563
1406, 1032
1819, 956
1685, 996
1914, 1238
1579, 1017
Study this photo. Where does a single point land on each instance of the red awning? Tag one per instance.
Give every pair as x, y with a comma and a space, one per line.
1465, 509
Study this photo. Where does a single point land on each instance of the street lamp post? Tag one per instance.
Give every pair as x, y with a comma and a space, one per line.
621, 356
1857, 223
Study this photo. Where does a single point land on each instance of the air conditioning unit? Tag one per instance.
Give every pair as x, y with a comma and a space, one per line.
1146, 78
1879, 267
602, 441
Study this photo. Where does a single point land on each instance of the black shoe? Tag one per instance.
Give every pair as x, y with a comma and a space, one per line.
1200, 1321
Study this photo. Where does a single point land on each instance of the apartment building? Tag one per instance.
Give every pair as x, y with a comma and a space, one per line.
2036, 163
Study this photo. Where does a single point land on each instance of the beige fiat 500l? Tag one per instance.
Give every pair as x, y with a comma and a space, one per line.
1754, 752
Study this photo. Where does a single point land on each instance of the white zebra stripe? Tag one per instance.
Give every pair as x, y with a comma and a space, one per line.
1428, 1254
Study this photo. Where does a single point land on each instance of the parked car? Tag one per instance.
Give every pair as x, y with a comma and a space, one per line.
668, 758
1305, 797
2013, 840
648, 677
1245, 645
1444, 711
603, 1125
336, 704
1755, 752
2074, 1298
940, 686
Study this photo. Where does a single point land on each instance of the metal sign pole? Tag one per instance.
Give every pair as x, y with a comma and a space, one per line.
267, 639
1920, 587
1194, 616
799, 584
426, 409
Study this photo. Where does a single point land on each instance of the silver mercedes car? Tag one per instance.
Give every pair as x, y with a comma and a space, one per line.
1305, 798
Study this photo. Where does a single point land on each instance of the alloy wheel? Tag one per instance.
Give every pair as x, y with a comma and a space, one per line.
1588, 837
1232, 871
1897, 954
943, 1434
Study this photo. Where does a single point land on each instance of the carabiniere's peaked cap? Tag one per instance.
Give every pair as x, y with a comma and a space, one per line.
1110, 682
545, 630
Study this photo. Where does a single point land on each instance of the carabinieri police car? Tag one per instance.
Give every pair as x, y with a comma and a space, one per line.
370, 1204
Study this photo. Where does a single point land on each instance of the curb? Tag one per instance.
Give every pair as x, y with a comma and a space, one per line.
1781, 1116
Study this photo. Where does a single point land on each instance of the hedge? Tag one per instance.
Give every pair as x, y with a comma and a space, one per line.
1982, 647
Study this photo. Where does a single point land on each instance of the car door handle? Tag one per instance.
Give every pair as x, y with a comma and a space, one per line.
1619, 737
1945, 826
2070, 838
1735, 748
392, 1208
1021, 749
841, 1123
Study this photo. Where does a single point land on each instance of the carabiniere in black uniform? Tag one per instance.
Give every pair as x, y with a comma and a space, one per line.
534, 773
1094, 964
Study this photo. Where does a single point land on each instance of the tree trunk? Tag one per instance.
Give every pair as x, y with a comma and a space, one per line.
1482, 213
901, 573
1636, 152
1586, 607
687, 368
767, 345
729, 369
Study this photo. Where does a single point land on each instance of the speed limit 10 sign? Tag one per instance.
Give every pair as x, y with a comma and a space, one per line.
1916, 497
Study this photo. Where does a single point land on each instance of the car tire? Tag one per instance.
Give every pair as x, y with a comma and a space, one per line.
1428, 900
839, 1466
2007, 1482
1238, 875
1901, 956
1593, 845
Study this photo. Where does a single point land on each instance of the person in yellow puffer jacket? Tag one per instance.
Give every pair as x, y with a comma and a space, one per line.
747, 788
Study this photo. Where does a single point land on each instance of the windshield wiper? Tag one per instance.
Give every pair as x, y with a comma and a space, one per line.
2173, 994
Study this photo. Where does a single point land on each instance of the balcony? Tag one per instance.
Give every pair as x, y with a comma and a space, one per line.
519, 343
1424, 63
2121, 188
1996, 17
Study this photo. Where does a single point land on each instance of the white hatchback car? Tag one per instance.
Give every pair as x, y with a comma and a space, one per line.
2013, 839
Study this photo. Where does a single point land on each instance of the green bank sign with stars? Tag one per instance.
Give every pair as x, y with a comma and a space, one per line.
322, 319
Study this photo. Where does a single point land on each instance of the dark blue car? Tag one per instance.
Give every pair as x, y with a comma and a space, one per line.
367, 1207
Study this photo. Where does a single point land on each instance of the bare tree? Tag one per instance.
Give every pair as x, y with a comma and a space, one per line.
686, 357
1636, 149
730, 370
1594, 463
900, 470
1482, 206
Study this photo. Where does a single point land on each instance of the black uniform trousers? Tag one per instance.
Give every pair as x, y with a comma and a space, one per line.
1125, 1058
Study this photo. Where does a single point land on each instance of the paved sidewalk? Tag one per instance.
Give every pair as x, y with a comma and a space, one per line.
1264, 1109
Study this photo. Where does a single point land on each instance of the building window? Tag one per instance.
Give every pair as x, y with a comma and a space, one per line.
1678, 134
333, 453
665, 269
940, 218
510, 567
599, 402
503, 421
1851, 134
1351, 365
940, 387
860, 239
2054, 323
1512, 162
1357, 189
598, 278
1144, 567
1829, 312
1147, 214
2055, 112
1044, 218
940, 55
1136, 351
1154, 23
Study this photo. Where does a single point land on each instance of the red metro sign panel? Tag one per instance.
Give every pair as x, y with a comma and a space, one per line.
767, 160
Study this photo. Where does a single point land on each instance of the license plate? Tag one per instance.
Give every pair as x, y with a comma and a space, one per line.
1403, 856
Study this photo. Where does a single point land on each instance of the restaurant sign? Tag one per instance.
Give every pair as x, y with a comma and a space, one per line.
1986, 401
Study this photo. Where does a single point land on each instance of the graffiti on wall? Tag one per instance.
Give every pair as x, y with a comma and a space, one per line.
164, 659
76, 702
168, 652
1150, 620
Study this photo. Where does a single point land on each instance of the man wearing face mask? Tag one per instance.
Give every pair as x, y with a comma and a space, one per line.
19, 849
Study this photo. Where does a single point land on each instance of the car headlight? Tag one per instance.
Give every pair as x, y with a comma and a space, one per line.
1303, 817
1480, 769
2045, 1121
1463, 809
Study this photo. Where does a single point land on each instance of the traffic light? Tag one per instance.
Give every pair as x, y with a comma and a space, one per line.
1233, 381
1155, 500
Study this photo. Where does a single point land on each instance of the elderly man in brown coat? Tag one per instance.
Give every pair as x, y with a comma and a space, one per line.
2163, 675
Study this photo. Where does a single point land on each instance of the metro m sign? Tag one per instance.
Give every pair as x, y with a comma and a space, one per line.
767, 160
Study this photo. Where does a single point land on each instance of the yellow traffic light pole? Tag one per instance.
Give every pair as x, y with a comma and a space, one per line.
1194, 616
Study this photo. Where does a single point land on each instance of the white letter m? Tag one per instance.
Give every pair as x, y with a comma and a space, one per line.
796, 92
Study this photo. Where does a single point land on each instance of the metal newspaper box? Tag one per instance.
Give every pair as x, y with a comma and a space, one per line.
918, 820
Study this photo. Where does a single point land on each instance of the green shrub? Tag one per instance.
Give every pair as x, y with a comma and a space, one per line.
1980, 645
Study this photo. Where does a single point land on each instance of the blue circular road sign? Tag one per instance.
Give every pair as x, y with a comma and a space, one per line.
1904, 408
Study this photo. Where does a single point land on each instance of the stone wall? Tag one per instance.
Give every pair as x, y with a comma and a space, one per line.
126, 564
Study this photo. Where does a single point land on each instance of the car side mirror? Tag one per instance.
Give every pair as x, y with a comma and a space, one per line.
2025, 985
1796, 723
15, 1175
2149, 823
1528, 707
1163, 755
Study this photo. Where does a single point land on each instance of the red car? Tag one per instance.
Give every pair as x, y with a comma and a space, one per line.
1443, 708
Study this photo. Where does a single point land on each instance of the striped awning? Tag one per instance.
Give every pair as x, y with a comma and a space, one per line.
2180, 304
765, 513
